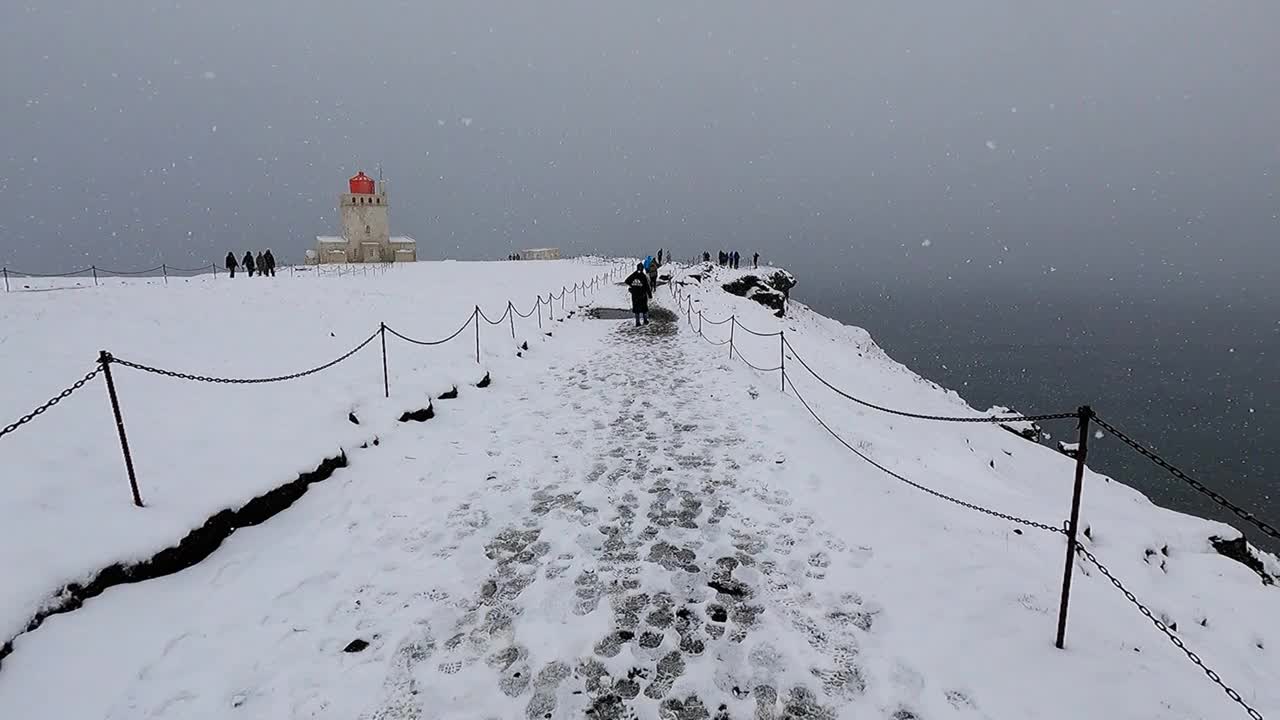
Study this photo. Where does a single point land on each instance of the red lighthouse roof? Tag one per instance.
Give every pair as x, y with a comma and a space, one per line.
361, 184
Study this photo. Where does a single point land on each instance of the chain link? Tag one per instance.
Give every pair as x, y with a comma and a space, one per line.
918, 416
52, 401
916, 485
244, 381
1239, 512
1173, 638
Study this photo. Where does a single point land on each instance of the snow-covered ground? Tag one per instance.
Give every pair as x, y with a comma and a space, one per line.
627, 523
197, 447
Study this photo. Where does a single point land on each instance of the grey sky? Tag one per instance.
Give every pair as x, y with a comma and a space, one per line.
886, 139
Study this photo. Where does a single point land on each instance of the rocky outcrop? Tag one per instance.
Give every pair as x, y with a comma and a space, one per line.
1239, 550
770, 288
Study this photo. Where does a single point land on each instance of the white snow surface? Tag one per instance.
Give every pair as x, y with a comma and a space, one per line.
626, 521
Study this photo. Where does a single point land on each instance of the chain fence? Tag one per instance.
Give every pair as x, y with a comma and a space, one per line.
1084, 414
466, 324
1200, 487
244, 381
42, 409
1173, 637
962, 503
107, 358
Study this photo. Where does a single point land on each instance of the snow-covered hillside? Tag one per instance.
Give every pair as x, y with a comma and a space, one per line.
626, 523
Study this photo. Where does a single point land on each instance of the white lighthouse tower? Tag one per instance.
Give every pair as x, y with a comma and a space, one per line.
366, 231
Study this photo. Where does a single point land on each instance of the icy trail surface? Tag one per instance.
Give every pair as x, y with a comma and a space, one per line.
628, 524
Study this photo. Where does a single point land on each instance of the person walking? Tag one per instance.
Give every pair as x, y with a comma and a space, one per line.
638, 285
659, 256
755, 260
262, 265
271, 262
232, 264
247, 262
736, 258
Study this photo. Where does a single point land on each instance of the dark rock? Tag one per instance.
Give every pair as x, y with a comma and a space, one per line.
422, 415
198, 544
355, 646
484, 382
450, 395
524, 345
1238, 550
352, 417
753, 288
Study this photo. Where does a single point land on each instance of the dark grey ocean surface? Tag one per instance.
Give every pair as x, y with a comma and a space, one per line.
1193, 375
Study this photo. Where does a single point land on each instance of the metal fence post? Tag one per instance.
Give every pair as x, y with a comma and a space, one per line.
733, 320
164, 268
6, 279
476, 315
782, 355
104, 358
511, 315
386, 382
563, 291
700, 324
1085, 413
215, 271
95, 274
539, 306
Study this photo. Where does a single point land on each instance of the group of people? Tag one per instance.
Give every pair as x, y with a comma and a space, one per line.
732, 259
264, 264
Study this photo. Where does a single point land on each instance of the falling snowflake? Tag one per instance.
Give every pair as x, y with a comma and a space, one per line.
991, 144
1097, 435
466, 122
926, 242
214, 129
210, 75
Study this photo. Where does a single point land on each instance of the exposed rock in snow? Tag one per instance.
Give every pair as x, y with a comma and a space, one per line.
1022, 428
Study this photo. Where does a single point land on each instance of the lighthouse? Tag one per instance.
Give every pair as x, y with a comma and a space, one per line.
366, 230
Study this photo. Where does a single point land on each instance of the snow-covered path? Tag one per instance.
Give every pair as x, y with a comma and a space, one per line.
627, 524
611, 542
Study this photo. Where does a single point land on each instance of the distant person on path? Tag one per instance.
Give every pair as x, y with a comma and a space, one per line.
271, 263
248, 262
659, 256
638, 285
755, 260
653, 278
262, 265
232, 264
706, 257
736, 259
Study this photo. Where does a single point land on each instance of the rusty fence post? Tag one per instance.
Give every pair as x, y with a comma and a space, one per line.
386, 381
1082, 449
733, 320
105, 359
476, 316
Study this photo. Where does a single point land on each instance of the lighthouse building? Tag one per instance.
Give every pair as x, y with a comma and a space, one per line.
366, 233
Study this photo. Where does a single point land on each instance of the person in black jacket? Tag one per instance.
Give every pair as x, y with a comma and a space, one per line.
248, 262
271, 263
638, 284
232, 264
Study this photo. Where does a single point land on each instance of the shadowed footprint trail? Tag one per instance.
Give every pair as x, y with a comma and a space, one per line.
649, 563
